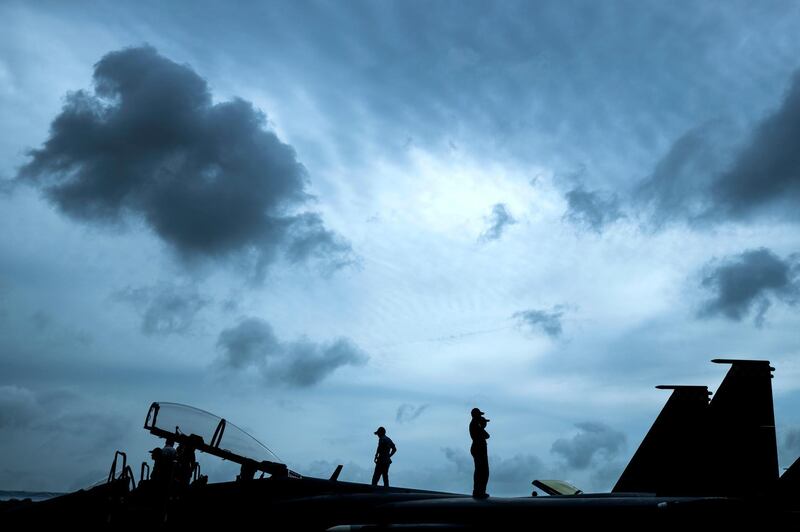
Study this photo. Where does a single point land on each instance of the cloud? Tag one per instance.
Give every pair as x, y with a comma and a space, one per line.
678, 188
19, 407
547, 321
166, 309
592, 210
408, 412
765, 176
519, 470
208, 178
301, 363
307, 363
22, 407
594, 439
711, 175
101, 431
249, 343
499, 220
44, 434
463, 462
750, 280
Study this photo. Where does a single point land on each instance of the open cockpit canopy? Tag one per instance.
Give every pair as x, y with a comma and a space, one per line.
210, 434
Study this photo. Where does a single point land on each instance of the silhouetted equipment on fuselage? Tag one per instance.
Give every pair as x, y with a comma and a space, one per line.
702, 463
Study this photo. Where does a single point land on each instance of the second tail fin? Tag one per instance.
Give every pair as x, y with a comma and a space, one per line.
669, 459
725, 447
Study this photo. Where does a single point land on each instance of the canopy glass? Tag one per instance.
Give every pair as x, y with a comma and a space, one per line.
183, 419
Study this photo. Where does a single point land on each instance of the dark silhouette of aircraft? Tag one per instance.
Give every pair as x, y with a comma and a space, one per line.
704, 462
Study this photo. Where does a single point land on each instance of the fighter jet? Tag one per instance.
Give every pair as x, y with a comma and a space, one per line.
704, 462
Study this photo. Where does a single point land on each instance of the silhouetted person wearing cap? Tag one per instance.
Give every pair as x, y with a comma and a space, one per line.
479, 451
383, 457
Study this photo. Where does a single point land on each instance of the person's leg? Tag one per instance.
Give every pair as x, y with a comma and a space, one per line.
376, 475
485, 472
386, 476
476, 475
481, 473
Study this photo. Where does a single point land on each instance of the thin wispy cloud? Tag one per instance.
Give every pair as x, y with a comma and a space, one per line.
165, 309
547, 321
592, 210
499, 220
407, 413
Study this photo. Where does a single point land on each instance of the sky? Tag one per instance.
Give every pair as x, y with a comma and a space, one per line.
317, 218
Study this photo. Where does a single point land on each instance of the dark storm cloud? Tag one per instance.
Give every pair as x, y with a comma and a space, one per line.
248, 344
301, 363
498, 221
750, 280
557, 66
592, 210
712, 175
678, 188
765, 177
208, 178
408, 412
165, 309
307, 363
593, 439
547, 321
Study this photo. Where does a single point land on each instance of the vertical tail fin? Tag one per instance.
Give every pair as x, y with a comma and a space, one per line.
725, 447
669, 460
743, 452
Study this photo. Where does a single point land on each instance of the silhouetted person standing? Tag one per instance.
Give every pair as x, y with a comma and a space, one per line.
184, 463
168, 451
383, 457
479, 451
164, 463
